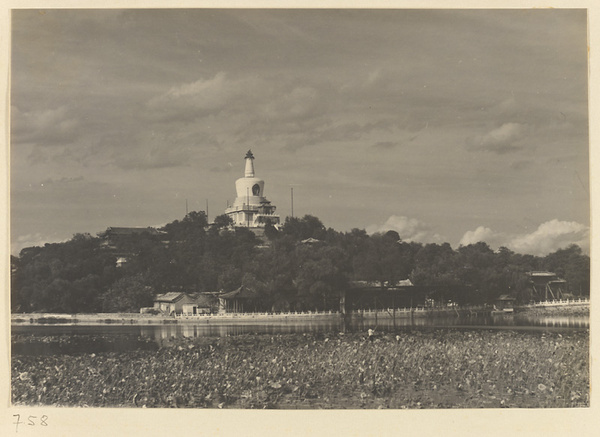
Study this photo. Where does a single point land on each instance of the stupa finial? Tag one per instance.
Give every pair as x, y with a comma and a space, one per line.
249, 173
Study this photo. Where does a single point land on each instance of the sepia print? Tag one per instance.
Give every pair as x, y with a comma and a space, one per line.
299, 209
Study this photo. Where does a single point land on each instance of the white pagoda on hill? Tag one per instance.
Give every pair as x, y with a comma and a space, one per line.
250, 208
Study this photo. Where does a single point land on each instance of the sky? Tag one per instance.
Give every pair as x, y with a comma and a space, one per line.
451, 126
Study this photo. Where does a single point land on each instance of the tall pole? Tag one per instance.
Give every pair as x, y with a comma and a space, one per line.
186, 207
207, 210
375, 310
292, 189
394, 309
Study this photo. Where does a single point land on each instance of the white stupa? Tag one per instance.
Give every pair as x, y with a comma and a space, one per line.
250, 208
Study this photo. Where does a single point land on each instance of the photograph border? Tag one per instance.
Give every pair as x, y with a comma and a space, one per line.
151, 422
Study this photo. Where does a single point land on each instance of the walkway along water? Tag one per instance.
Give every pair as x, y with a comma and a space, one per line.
256, 317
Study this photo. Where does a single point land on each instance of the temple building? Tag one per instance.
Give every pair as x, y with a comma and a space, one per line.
251, 208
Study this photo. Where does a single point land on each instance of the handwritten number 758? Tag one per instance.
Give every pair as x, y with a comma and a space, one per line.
31, 421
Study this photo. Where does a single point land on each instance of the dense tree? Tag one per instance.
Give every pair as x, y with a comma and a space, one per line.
271, 231
303, 228
128, 294
222, 221
573, 266
383, 259
320, 275
302, 265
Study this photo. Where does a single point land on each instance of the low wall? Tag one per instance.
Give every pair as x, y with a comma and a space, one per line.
557, 303
148, 319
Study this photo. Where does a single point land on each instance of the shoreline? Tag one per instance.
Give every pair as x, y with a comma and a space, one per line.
124, 319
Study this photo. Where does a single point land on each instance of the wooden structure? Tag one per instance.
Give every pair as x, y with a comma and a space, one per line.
547, 285
115, 235
183, 303
238, 301
504, 304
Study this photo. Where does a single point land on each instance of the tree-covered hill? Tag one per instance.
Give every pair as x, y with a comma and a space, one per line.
302, 266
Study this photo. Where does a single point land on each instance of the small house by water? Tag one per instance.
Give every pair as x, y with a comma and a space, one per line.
504, 303
184, 303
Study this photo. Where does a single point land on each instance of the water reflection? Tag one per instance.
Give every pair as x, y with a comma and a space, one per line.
508, 321
554, 321
115, 338
164, 332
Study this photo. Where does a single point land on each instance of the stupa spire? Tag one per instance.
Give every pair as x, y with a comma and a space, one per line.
251, 209
249, 173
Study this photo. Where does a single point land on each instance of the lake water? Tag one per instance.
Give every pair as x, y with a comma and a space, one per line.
51, 339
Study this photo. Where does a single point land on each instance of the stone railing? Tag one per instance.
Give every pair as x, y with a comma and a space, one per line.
256, 314
559, 302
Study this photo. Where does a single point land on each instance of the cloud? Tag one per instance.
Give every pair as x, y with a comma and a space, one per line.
551, 236
547, 238
225, 168
252, 110
62, 180
409, 229
257, 99
504, 139
189, 100
28, 240
151, 153
211, 88
300, 102
48, 126
480, 234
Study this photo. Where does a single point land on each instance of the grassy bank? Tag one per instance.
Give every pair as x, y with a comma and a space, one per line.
423, 369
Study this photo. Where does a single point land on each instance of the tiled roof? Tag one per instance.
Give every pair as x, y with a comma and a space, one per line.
197, 298
541, 274
205, 300
240, 293
505, 297
169, 297
310, 240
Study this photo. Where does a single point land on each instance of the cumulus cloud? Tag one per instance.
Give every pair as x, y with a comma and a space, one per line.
548, 237
480, 234
504, 139
409, 229
551, 236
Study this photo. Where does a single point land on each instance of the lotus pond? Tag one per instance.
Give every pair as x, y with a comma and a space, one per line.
417, 369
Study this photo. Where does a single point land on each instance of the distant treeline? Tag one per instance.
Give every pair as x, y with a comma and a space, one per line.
302, 266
